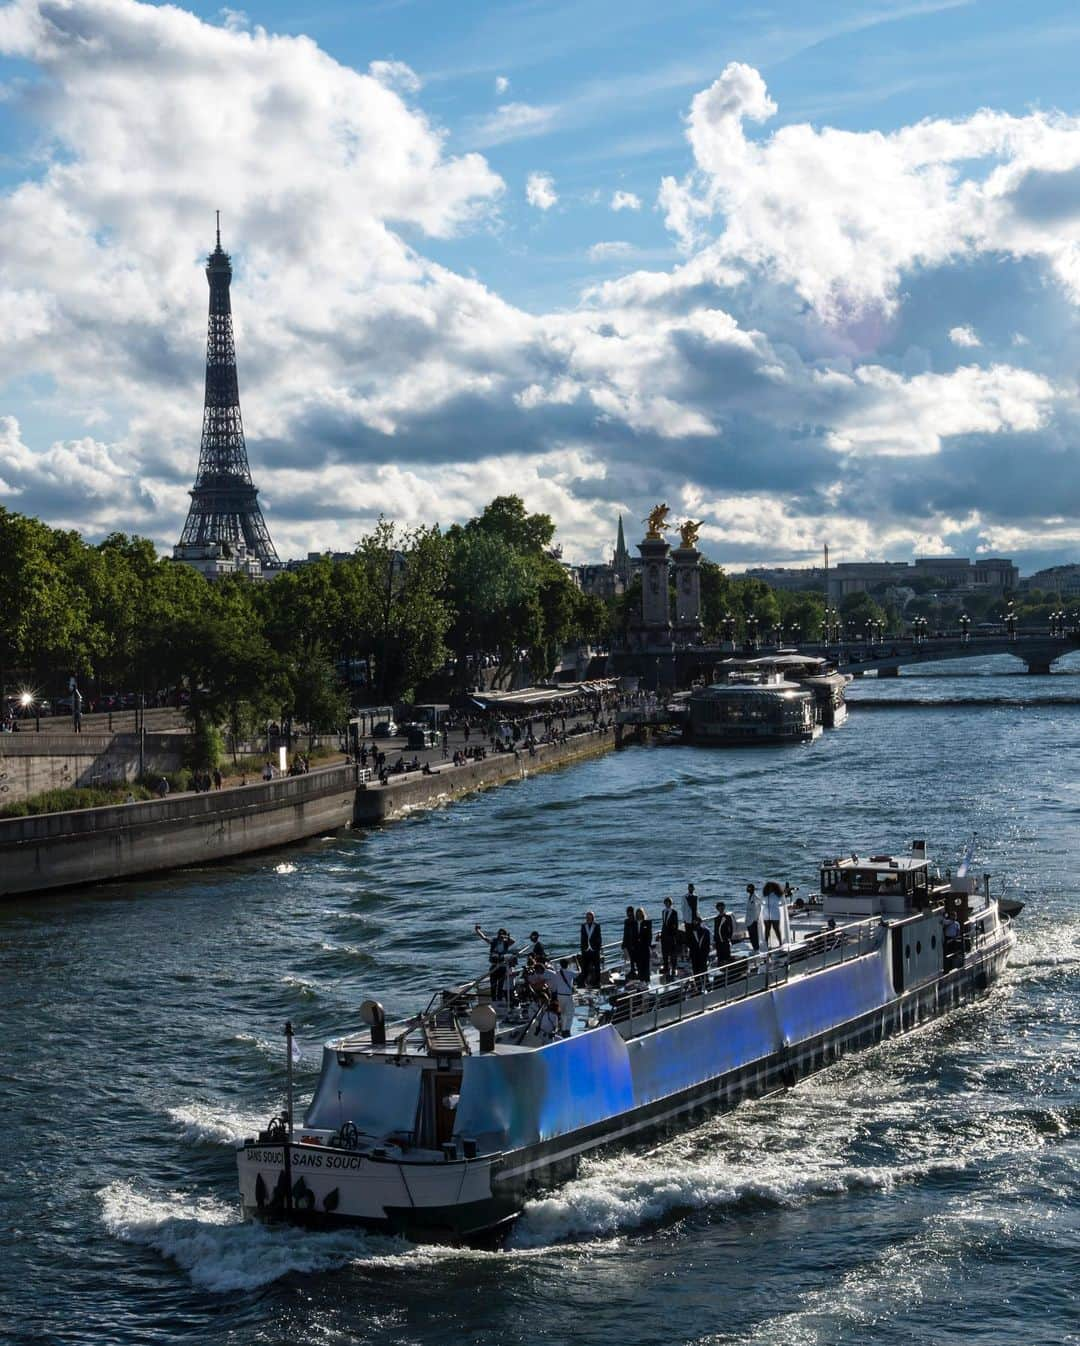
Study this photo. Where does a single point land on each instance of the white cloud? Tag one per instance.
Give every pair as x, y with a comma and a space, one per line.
889, 415
396, 75
513, 121
768, 375
964, 336
502, 85
621, 200
840, 215
609, 252
540, 191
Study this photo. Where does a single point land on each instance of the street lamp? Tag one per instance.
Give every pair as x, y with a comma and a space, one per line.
1010, 621
965, 628
26, 700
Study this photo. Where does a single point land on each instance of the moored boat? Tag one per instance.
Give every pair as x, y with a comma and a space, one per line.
443, 1125
752, 707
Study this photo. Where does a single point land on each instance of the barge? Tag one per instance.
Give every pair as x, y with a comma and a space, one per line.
753, 707
442, 1126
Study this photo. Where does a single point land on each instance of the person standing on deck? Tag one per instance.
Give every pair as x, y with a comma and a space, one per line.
498, 959
753, 917
699, 950
776, 915
723, 933
689, 906
564, 986
641, 950
591, 943
669, 938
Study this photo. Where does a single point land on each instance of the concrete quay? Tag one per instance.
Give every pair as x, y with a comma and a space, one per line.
402, 795
62, 850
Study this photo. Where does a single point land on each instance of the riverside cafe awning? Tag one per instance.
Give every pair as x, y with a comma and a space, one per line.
536, 698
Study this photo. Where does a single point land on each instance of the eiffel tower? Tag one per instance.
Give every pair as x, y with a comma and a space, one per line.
225, 529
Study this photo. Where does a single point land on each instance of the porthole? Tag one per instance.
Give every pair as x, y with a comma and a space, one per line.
918, 946
933, 941
907, 950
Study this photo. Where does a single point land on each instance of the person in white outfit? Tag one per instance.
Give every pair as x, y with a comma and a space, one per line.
565, 976
776, 915
754, 929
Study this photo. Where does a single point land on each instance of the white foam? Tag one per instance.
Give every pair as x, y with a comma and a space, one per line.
629, 1191
214, 1123
285, 868
206, 1238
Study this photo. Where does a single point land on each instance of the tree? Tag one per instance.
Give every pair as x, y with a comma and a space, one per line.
405, 617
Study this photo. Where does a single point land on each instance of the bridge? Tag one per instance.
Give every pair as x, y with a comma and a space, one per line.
681, 665
888, 657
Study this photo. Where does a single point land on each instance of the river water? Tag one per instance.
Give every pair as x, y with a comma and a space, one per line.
923, 1191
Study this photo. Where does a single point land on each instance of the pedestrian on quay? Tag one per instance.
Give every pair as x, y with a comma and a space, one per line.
218, 778
591, 943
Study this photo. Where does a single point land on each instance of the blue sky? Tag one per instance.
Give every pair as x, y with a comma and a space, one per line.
806, 273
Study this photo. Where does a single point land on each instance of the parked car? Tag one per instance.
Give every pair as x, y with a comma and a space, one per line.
385, 729
420, 736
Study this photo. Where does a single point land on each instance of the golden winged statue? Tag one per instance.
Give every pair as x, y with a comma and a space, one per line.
657, 521
688, 531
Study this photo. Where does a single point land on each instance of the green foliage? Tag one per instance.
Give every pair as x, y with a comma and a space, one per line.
203, 748
74, 797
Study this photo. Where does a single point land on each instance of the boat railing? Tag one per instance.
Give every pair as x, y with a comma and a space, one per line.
643, 1010
461, 999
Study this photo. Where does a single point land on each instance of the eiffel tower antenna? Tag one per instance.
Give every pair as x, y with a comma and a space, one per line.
224, 515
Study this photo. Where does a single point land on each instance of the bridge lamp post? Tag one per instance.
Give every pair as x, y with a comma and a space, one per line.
751, 630
1010, 621
965, 628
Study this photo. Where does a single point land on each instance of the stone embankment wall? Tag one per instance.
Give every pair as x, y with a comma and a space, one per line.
382, 803
59, 850
31, 763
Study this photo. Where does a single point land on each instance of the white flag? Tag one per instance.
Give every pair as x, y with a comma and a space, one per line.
294, 1048
967, 861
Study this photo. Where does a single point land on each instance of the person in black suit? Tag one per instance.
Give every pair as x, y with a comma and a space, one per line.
628, 936
723, 934
499, 960
641, 952
591, 943
699, 950
669, 938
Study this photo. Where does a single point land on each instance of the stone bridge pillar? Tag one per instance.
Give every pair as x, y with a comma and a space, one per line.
655, 627
687, 561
